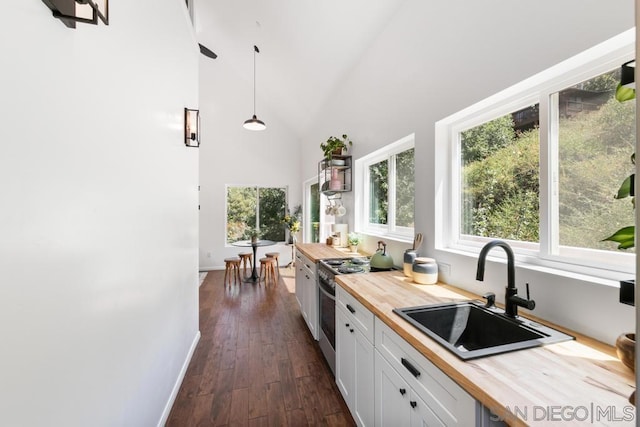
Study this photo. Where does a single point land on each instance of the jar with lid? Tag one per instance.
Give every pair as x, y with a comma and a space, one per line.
409, 256
425, 271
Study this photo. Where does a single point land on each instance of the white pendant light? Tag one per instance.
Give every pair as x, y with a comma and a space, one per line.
254, 123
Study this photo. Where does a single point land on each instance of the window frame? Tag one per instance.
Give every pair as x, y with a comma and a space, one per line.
388, 153
542, 89
257, 187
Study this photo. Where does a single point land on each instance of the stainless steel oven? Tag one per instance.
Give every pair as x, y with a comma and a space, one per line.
327, 270
327, 315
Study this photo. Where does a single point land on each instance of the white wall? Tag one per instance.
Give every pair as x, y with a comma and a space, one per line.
436, 58
98, 225
232, 155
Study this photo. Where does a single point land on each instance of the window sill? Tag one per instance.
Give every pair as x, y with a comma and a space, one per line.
399, 238
595, 276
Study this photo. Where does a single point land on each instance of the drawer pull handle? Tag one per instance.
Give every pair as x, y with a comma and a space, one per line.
346, 324
351, 309
403, 391
351, 330
413, 403
410, 367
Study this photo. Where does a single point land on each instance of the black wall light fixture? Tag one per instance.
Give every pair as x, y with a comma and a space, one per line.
191, 128
254, 123
207, 52
627, 77
85, 11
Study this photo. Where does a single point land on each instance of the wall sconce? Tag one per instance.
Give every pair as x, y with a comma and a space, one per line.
627, 77
86, 11
191, 128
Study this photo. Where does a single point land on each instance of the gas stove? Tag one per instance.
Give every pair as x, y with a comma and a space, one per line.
329, 268
345, 265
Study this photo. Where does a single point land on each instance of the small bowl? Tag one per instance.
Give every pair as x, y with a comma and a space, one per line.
337, 162
626, 349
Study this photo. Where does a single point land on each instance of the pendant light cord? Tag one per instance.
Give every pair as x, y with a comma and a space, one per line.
255, 50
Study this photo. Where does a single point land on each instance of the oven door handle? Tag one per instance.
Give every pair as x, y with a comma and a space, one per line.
324, 291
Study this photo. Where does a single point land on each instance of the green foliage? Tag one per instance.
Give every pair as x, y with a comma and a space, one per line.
404, 191
625, 237
334, 144
379, 183
272, 209
501, 192
625, 93
405, 188
593, 148
501, 178
482, 141
243, 203
354, 239
241, 212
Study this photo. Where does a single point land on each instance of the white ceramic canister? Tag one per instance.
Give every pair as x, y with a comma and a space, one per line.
425, 271
409, 256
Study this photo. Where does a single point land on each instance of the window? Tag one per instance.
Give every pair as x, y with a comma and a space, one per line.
500, 177
255, 208
387, 190
539, 165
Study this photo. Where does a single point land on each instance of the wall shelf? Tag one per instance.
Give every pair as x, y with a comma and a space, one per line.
334, 175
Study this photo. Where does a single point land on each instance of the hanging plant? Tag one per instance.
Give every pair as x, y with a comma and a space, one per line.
625, 237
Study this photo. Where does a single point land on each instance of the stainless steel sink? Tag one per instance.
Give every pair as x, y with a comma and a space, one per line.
470, 330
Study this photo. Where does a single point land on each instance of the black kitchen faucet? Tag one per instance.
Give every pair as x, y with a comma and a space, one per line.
511, 299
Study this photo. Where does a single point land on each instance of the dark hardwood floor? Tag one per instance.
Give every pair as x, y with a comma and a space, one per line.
256, 363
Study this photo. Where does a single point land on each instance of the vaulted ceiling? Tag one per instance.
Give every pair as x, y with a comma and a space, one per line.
306, 47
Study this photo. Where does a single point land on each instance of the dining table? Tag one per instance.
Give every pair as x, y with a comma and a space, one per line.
253, 244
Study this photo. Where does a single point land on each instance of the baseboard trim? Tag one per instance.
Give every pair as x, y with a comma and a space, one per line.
176, 386
213, 268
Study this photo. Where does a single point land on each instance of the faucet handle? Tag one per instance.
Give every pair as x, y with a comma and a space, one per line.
491, 299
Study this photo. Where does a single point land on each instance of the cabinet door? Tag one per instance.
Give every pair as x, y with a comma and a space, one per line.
421, 414
345, 358
311, 302
391, 396
300, 282
363, 364
301, 290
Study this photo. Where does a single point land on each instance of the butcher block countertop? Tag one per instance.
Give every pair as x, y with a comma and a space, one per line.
318, 251
558, 384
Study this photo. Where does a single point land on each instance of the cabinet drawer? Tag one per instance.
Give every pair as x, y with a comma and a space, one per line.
357, 312
306, 262
447, 399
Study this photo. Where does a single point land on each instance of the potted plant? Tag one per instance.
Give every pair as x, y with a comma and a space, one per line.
254, 233
292, 221
335, 146
625, 237
353, 240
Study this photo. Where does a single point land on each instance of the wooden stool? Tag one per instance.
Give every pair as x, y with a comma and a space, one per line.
232, 265
275, 256
267, 265
244, 257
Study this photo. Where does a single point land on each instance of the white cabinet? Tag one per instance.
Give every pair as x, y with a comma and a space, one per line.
307, 292
428, 395
355, 357
398, 403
